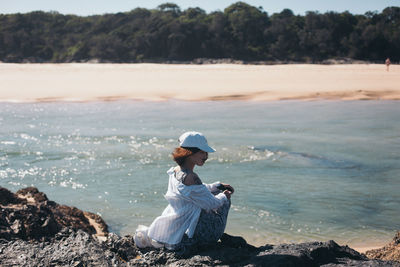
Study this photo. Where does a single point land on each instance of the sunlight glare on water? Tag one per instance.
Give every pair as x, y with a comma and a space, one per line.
302, 170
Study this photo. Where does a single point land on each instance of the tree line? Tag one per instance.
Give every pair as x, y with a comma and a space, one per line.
240, 32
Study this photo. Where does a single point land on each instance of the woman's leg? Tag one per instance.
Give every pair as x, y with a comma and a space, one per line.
211, 225
209, 229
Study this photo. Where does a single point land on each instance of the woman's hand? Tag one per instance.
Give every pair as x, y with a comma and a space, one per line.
228, 194
228, 187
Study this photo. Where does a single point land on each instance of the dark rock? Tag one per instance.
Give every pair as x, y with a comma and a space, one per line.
235, 242
33, 193
7, 197
28, 214
27, 222
305, 254
388, 252
73, 218
71, 248
35, 231
68, 249
124, 247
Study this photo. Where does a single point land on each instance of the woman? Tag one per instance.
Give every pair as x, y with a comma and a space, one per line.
197, 212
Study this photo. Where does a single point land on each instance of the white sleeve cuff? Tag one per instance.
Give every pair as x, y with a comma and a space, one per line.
222, 197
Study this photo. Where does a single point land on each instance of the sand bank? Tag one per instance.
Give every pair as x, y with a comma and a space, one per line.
94, 82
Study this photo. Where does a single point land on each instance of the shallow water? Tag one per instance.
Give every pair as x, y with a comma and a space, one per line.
302, 170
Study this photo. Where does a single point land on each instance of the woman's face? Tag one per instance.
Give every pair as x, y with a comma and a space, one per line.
199, 158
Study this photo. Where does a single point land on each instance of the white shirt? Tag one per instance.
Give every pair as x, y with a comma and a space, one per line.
182, 213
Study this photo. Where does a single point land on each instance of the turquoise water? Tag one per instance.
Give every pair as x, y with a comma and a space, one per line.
302, 170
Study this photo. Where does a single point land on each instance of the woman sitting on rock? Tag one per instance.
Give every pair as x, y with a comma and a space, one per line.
197, 212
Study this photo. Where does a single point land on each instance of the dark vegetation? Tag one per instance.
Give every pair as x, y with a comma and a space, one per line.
240, 32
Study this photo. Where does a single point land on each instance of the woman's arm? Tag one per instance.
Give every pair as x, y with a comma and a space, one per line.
194, 179
202, 197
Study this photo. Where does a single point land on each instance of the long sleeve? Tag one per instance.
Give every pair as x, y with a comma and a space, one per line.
183, 211
202, 197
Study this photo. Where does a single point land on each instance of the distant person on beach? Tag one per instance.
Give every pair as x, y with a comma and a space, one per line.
197, 212
387, 62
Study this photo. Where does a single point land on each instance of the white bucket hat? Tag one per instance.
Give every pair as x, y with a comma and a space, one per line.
195, 139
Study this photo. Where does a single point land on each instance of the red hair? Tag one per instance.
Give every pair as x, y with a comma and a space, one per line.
181, 153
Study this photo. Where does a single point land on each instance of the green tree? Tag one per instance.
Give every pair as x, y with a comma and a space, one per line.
241, 31
246, 25
282, 35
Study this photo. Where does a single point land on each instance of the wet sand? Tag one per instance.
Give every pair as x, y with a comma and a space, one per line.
158, 82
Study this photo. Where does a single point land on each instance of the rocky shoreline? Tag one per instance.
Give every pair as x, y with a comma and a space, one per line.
35, 231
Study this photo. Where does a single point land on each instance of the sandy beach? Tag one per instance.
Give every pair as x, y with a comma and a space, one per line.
157, 82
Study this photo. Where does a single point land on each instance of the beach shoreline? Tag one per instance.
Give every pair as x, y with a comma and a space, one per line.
84, 82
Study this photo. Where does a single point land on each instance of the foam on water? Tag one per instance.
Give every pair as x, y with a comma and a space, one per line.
302, 170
